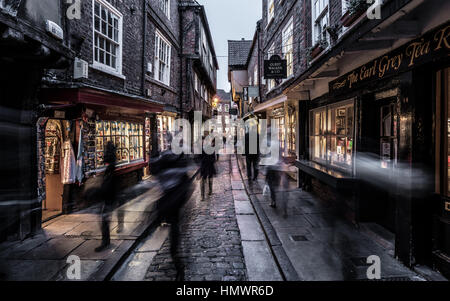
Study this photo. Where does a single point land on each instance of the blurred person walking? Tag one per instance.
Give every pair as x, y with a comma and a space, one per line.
207, 171
172, 173
108, 193
252, 156
277, 178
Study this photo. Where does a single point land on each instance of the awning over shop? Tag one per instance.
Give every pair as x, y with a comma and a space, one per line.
100, 98
273, 102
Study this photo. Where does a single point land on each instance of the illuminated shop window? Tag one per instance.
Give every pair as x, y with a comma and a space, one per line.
331, 135
127, 138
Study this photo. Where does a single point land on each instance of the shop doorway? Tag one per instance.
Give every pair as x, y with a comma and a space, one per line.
51, 156
379, 142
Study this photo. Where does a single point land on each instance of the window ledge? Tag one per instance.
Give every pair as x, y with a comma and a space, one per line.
335, 179
105, 70
159, 83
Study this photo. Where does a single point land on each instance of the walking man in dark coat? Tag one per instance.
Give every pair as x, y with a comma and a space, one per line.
207, 171
108, 193
171, 172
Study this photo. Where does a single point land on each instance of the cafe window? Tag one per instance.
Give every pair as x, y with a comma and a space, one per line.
291, 132
331, 135
127, 138
443, 131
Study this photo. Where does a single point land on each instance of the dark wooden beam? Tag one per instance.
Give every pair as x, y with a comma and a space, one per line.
370, 45
398, 30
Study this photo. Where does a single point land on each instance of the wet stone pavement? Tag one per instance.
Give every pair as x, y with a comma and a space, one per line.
210, 241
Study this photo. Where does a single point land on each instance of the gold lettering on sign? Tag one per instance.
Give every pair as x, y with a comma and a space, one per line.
416, 50
387, 64
340, 85
366, 73
352, 78
442, 37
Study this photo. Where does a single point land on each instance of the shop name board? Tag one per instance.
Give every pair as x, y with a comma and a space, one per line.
433, 45
275, 68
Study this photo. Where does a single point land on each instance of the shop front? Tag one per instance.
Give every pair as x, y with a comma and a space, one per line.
73, 133
377, 144
166, 128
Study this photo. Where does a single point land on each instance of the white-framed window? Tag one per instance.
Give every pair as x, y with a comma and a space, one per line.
270, 10
320, 20
271, 82
219, 108
255, 75
227, 109
107, 34
288, 47
164, 5
163, 51
196, 81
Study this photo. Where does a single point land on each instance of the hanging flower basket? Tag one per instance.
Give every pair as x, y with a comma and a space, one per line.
318, 48
355, 8
349, 18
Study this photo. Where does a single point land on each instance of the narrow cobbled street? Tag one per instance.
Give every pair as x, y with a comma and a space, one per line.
210, 242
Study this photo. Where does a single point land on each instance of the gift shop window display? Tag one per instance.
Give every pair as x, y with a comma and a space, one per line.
127, 137
166, 126
60, 164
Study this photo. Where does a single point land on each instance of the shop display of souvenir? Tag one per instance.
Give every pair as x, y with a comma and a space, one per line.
127, 137
53, 137
52, 155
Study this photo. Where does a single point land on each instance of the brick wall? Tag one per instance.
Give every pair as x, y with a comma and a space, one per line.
169, 28
272, 33
80, 36
300, 10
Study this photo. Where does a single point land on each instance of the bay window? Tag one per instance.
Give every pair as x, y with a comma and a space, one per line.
331, 135
162, 59
107, 43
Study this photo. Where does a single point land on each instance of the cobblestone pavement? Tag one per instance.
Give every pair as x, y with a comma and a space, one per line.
210, 242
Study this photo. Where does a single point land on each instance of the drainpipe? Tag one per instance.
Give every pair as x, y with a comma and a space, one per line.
180, 91
144, 43
258, 29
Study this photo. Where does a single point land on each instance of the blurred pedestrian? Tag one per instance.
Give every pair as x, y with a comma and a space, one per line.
172, 173
108, 192
252, 151
207, 171
276, 178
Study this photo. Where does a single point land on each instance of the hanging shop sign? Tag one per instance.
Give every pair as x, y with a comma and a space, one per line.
275, 68
431, 46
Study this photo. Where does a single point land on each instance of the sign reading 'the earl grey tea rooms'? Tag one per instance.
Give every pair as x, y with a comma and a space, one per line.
275, 68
